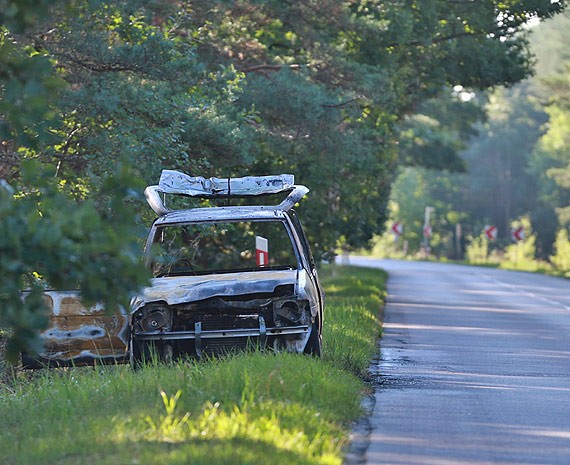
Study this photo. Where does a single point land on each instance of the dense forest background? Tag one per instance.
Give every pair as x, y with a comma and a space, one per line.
97, 97
518, 166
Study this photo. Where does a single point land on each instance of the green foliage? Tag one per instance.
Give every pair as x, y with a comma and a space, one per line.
438, 131
333, 85
139, 89
561, 259
410, 198
29, 88
477, 251
522, 254
216, 424
48, 240
415, 189
385, 246
499, 160
354, 298
263, 408
554, 145
18, 15
517, 163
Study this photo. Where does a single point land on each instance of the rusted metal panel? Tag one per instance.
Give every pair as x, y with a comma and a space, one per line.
78, 334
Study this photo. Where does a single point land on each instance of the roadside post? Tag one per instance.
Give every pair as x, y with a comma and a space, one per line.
458, 240
427, 231
517, 235
261, 251
490, 232
397, 230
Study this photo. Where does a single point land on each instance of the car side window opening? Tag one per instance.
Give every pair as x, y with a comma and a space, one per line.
201, 248
302, 237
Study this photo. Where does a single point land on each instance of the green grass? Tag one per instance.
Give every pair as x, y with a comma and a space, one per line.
251, 408
353, 299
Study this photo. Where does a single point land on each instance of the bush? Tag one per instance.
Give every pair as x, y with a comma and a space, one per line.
561, 259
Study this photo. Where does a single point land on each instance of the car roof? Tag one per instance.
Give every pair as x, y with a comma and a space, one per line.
173, 182
243, 213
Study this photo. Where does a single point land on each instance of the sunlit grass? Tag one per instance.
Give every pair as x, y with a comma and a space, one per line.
250, 408
354, 298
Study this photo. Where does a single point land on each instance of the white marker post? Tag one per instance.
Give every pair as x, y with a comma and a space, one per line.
261, 251
427, 231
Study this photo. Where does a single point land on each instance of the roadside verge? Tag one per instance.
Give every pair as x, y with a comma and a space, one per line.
248, 408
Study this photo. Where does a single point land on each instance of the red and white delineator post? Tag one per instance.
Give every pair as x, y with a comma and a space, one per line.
397, 230
490, 232
261, 251
517, 234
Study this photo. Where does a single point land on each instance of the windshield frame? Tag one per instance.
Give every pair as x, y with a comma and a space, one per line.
154, 234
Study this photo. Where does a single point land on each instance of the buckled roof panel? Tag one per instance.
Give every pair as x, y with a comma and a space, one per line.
174, 182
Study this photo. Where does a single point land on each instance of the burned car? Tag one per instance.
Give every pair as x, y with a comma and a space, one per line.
224, 278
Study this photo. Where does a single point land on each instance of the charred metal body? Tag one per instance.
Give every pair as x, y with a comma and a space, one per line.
211, 313
218, 325
80, 335
198, 304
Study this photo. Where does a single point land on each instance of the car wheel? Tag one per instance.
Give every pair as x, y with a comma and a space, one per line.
315, 342
142, 352
136, 358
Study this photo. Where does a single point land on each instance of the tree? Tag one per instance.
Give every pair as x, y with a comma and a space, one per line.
46, 239
518, 162
338, 93
561, 259
339, 89
499, 186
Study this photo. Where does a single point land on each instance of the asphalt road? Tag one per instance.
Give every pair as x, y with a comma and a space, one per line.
475, 367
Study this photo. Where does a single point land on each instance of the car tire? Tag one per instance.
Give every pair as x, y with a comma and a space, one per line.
143, 352
315, 342
136, 358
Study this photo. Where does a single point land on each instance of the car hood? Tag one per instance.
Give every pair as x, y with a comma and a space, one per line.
182, 289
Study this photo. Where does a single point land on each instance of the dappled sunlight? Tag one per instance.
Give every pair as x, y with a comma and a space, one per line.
471, 454
474, 371
253, 422
536, 289
407, 459
470, 384
458, 307
479, 302
461, 442
554, 354
487, 292
455, 329
542, 432
352, 326
251, 407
